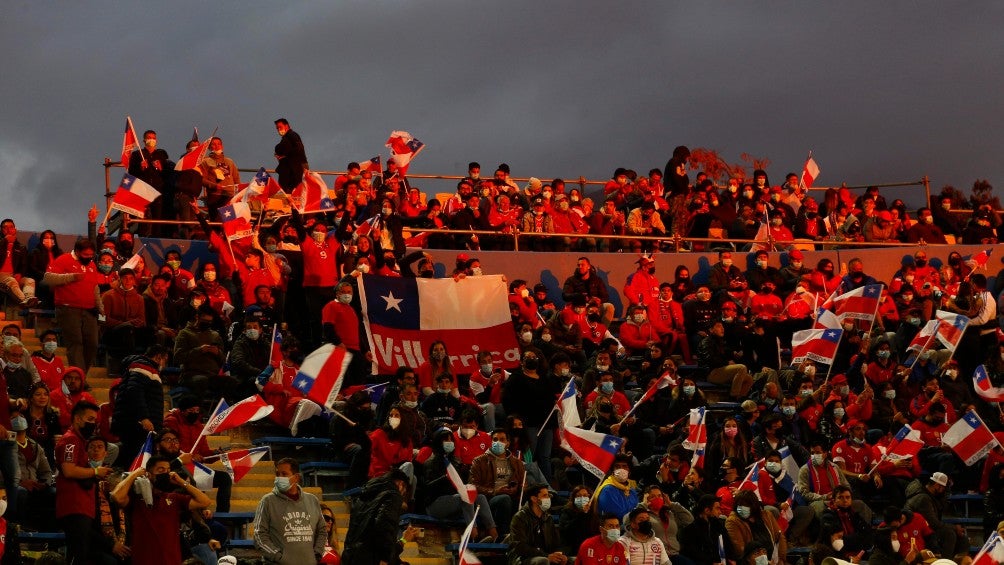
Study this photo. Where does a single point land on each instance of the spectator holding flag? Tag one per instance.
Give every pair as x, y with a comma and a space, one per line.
440, 496
169, 447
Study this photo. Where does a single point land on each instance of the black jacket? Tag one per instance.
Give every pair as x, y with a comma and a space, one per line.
18, 256
140, 396
293, 161
699, 541
592, 287
372, 534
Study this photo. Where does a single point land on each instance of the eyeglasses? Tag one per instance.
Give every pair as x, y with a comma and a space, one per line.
329, 519
170, 440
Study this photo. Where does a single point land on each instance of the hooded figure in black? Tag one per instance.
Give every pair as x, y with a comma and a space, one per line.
372, 536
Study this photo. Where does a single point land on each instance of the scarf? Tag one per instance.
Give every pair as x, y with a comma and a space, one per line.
815, 483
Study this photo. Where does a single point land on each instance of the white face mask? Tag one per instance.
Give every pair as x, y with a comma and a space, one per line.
621, 475
394, 422
318, 236
476, 271
838, 544
546, 338
545, 504
527, 336
467, 433
345, 298
895, 545
363, 268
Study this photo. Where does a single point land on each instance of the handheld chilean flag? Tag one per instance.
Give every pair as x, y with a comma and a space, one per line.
697, 435
816, 345
825, 320
311, 195
595, 451
466, 557
321, 374
403, 316
238, 463
202, 475
721, 551
992, 552
752, 480
568, 407
665, 381
236, 219
984, 388
369, 225
859, 303
980, 259
226, 417
133, 196
403, 148
193, 158
810, 172
144, 454
261, 188
275, 354
467, 492
130, 142
951, 329
905, 444
372, 165
923, 338
969, 438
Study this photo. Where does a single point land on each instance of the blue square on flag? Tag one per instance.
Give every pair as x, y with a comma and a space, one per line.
831, 335
392, 302
303, 383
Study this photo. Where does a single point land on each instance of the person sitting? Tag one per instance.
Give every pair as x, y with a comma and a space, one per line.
750, 523
618, 493
534, 537
642, 545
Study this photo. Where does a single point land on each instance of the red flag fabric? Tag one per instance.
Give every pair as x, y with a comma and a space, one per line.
193, 158
311, 195
466, 557
236, 219
321, 374
970, 438
905, 444
372, 165
923, 338
226, 417
992, 552
275, 354
403, 148
595, 451
467, 492
130, 142
133, 196
859, 303
238, 463
951, 329
810, 172
144, 454
980, 259
984, 388
261, 188
697, 435
815, 345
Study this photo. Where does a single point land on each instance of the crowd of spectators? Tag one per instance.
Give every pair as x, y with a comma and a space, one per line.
210, 333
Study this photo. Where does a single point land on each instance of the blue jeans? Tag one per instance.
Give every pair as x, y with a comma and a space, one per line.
541, 446
448, 506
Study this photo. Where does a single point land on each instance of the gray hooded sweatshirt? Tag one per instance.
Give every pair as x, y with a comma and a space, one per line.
287, 531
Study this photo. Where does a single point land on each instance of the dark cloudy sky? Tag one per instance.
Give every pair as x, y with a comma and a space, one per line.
880, 91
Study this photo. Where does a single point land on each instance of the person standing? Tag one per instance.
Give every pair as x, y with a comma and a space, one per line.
76, 482
288, 524
74, 280
291, 156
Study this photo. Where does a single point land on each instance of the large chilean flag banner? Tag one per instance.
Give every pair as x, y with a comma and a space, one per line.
404, 316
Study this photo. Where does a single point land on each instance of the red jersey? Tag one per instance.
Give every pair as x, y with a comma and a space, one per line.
592, 331
930, 434
345, 321
620, 402
150, 544
856, 459
467, 449
594, 552
65, 403
319, 267
766, 306
77, 294
667, 317
911, 534
50, 372
75, 496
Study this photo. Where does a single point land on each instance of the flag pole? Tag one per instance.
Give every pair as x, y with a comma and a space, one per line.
923, 349
202, 434
553, 408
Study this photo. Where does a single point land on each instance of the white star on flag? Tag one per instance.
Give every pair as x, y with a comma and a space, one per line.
392, 302
228, 214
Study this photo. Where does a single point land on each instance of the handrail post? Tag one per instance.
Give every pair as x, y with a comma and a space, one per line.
515, 239
927, 189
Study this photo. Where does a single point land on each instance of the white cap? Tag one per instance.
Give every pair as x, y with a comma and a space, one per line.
227, 560
940, 478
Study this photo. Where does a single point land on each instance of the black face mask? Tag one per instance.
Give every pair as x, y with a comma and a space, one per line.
289, 239
162, 482
645, 528
531, 364
86, 260
427, 274
191, 418
87, 430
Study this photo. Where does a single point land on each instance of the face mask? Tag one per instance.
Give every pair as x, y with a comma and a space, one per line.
883, 353
857, 441
394, 422
386, 211
86, 260
889, 394
282, 483
94, 464
498, 448
527, 336
363, 268
448, 446
252, 334
531, 364
270, 247
920, 262
689, 390
761, 560
408, 404
817, 459
48, 243
748, 194
150, 143
104, 269
581, 502
162, 482
728, 319
743, 511
621, 475
602, 368
545, 504
443, 390
761, 264
197, 302
18, 423
772, 467
486, 368
467, 433
50, 347
726, 263
613, 534
546, 338
345, 298
564, 372
209, 276
895, 545
844, 390
476, 271
318, 236
645, 528
607, 387
731, 432
838, 544
87, 430
838, 412
192, 417
656, 504
788, 411
639, 318
524, 293
174, 265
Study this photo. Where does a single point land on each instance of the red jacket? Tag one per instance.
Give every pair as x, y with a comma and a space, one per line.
386, 453
636, 337
667, 317
76, 294
187, 433
345, 321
